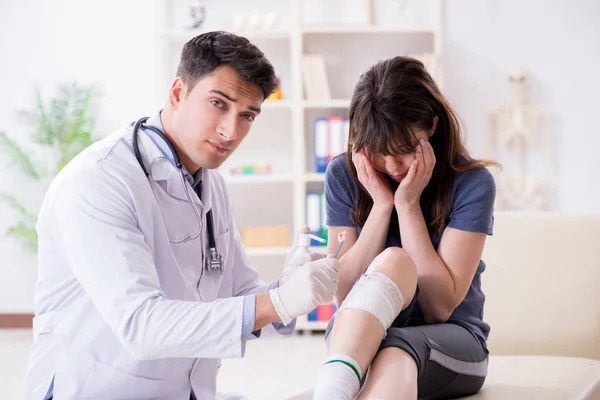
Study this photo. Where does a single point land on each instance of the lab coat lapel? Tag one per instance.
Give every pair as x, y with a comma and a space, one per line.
206, 193
162, 170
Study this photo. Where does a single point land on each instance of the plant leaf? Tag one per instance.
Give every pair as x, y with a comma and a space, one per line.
19, 158
26, 233
13, 203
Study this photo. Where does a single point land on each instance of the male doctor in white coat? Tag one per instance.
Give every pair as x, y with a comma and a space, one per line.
129, 303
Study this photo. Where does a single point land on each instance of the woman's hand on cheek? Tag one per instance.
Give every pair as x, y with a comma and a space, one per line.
377, 187
419, 174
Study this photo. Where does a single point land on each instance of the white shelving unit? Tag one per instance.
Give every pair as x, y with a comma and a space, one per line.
282, 135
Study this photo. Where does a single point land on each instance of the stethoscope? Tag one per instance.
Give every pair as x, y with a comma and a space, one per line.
215, 260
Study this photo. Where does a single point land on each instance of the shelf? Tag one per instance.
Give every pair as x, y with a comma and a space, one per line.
285, 136
333, 103
187, 34
314, 177
362, 29
267, 251
277, 104
302, 324
279, 251
258, 178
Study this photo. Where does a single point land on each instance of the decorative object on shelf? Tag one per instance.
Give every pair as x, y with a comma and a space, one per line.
314, 74
406, 14
270, 20
277, 94
368, 12
266, 236
60, 130
514, 132
251, 169
239, 22
337, 12
197, 13
255, 22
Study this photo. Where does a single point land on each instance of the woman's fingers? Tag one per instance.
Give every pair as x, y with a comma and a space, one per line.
369, 167
360, 168
412, 172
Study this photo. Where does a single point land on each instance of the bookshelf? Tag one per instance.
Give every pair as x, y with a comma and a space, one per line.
283, 134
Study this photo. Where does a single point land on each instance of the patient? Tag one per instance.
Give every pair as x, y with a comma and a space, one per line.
410, 319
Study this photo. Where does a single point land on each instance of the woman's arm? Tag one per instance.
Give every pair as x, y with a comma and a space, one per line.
358, 251
444, 276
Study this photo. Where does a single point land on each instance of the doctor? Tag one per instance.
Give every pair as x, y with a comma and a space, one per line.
143, 281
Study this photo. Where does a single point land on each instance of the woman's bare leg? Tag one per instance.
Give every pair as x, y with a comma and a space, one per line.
392, 376
357, 334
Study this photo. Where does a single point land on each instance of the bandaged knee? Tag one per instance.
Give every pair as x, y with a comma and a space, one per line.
378, 295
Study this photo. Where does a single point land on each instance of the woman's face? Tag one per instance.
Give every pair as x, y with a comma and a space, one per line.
397, 166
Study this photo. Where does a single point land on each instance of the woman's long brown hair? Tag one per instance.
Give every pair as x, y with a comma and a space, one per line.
390, 99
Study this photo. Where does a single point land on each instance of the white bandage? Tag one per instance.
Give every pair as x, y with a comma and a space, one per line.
378, 295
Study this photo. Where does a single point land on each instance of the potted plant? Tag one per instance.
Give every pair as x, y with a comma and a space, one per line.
60, 130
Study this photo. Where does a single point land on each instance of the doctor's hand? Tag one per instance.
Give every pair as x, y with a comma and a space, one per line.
314, 283
294, 260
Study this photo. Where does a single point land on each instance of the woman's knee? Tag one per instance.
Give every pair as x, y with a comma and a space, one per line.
387, 287
396, 264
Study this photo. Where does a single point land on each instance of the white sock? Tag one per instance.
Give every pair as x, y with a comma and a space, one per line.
338, 379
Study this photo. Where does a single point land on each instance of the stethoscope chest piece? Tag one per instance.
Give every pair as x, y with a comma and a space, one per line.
215, 259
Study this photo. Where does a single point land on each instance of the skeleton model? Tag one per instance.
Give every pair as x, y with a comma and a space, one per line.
514, 140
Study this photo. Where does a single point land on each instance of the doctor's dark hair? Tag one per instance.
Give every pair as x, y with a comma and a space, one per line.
392, 98
206, 52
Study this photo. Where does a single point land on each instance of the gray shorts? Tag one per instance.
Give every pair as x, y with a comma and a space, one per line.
452, 361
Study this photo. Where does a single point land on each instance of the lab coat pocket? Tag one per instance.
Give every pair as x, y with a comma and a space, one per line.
222, 243
181, 217
105, 381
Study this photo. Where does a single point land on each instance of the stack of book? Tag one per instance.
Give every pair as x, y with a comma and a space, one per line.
331, 139
322, 313
316, 216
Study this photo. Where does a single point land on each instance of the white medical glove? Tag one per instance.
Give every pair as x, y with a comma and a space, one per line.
311, 285
305, 229
296, 262
295, 259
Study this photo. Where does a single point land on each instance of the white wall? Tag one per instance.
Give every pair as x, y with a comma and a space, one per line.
106, 43
109, 44
559, 43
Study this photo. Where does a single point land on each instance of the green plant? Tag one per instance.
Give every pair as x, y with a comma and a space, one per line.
61, 129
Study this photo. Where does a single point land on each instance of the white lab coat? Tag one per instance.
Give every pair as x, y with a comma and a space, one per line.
120, 312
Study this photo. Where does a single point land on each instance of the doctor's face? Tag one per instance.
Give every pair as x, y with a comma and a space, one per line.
211, 120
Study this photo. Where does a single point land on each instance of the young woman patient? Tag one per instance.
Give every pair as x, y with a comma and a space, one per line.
416, 209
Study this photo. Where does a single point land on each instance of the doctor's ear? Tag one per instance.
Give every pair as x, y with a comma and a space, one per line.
177, 92
434, 127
